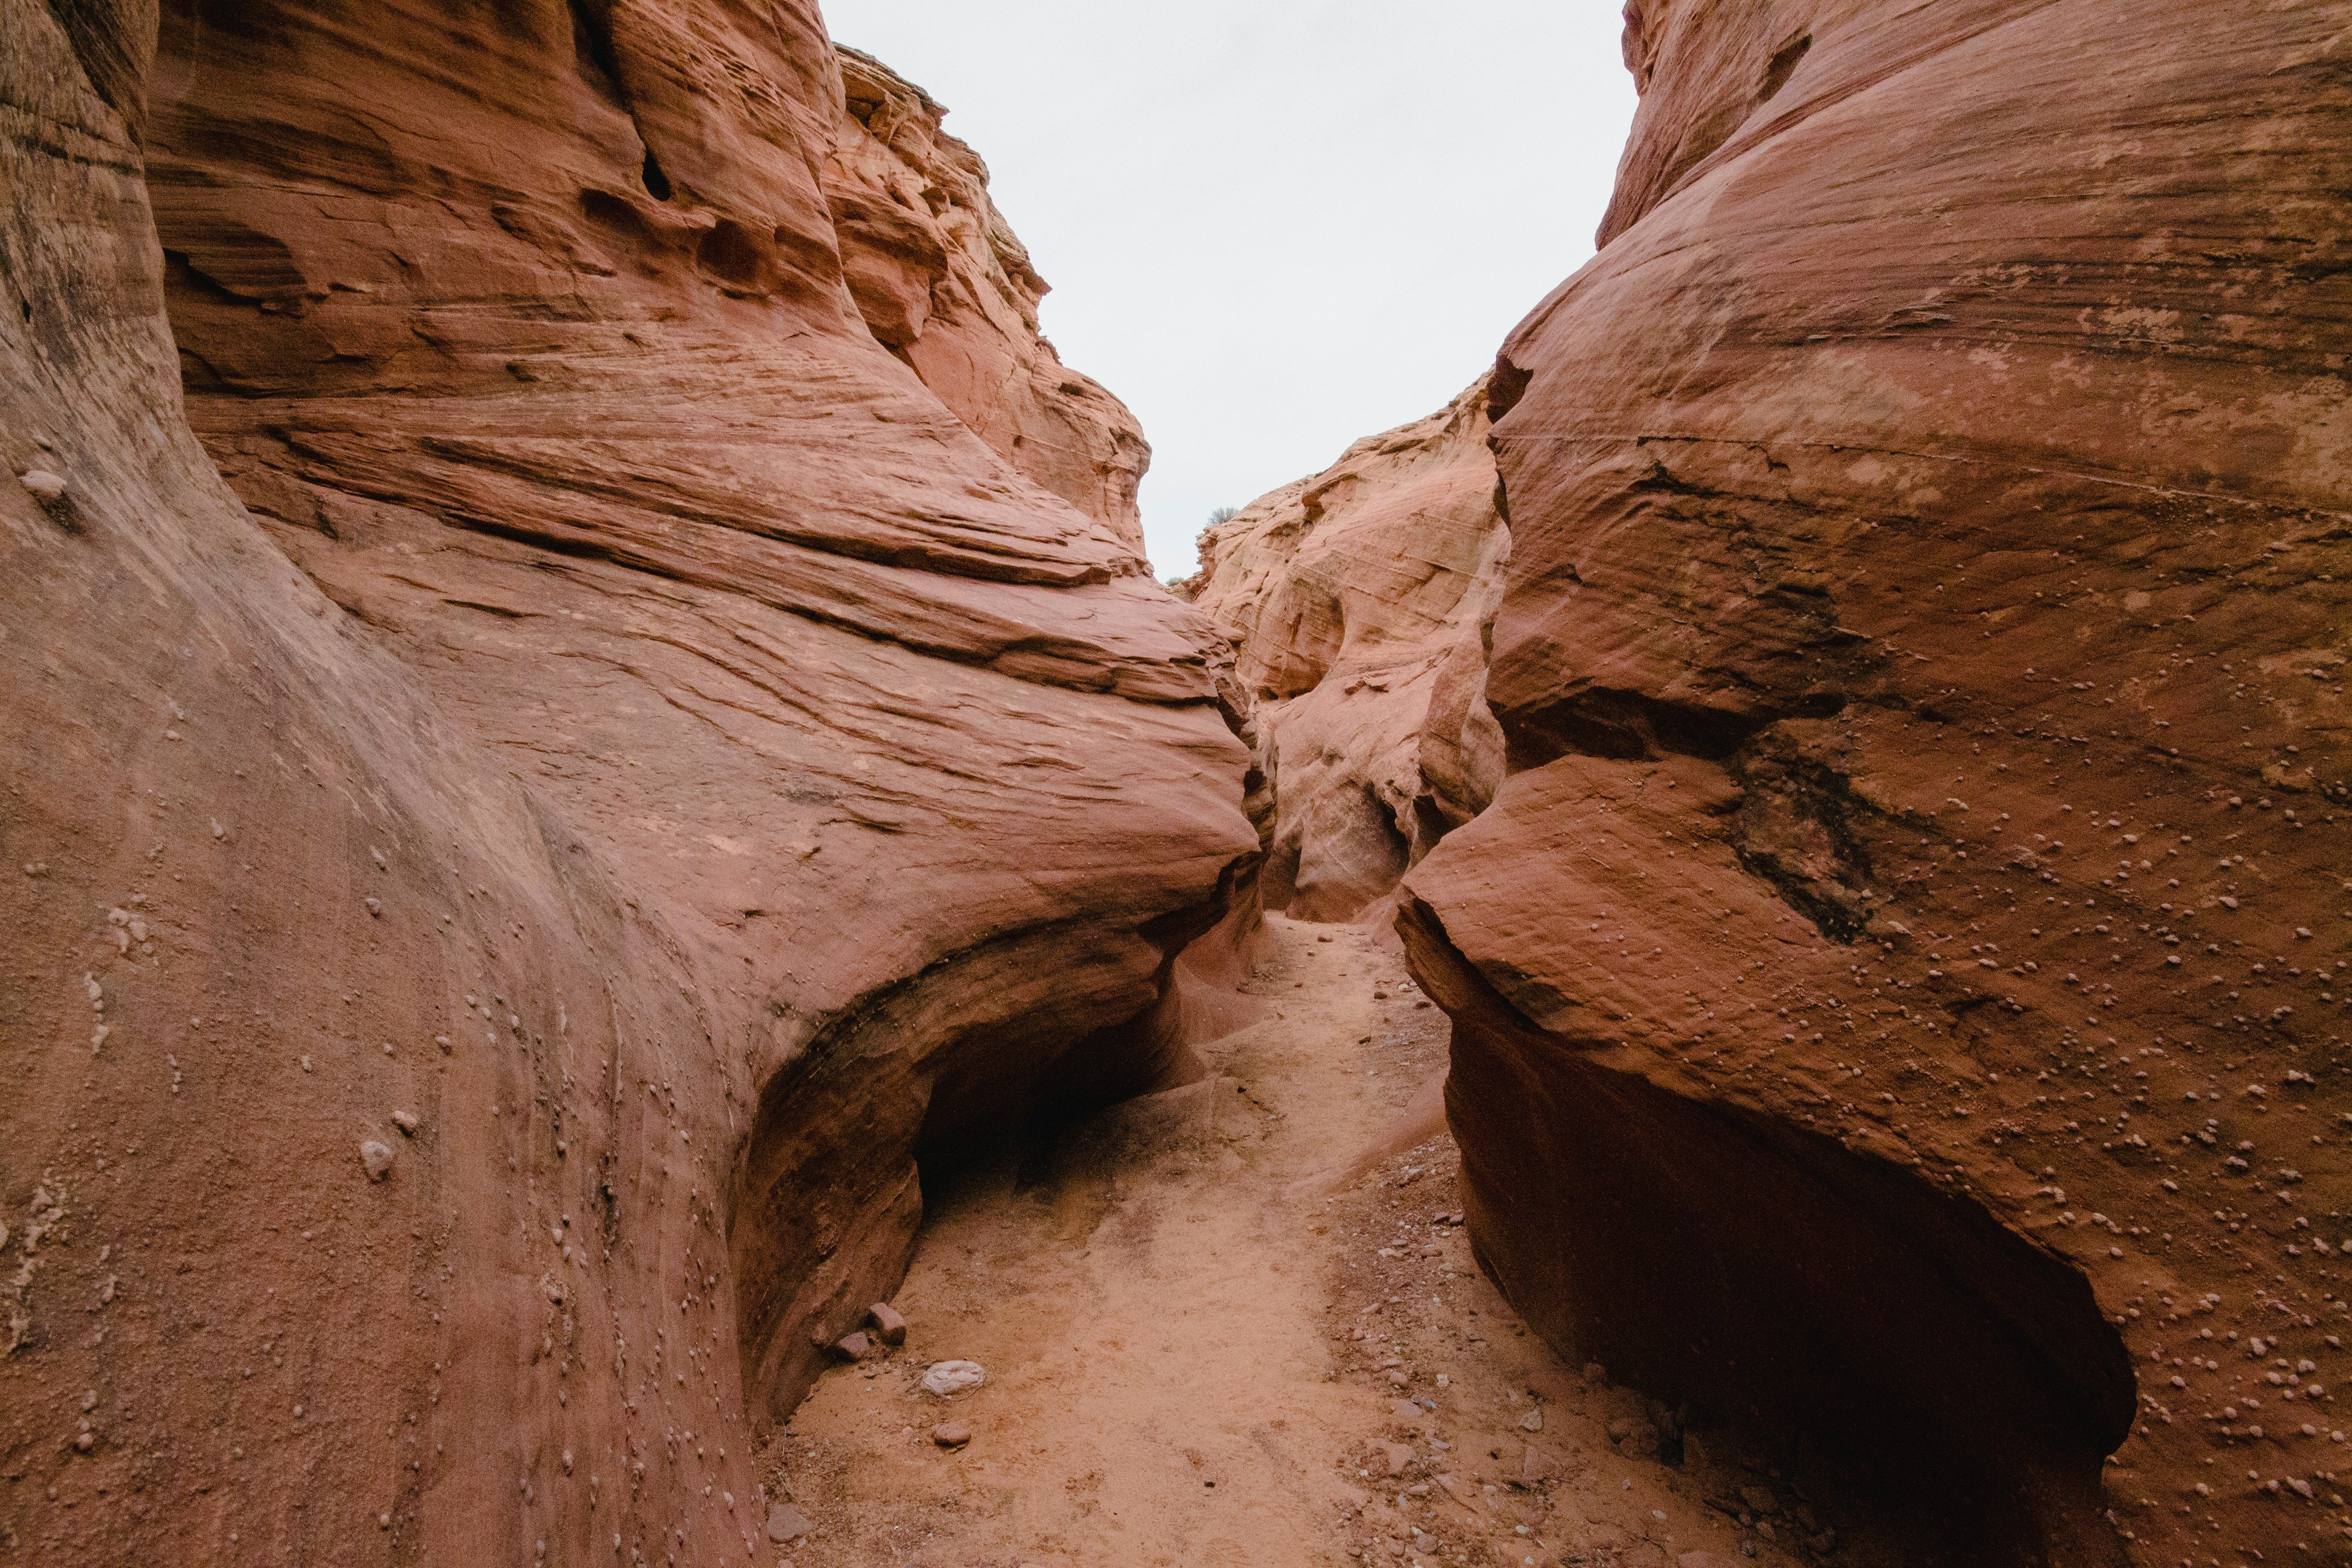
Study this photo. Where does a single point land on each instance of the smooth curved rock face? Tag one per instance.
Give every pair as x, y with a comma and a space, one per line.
494, 938
1358, 601
942, 279
1901, 987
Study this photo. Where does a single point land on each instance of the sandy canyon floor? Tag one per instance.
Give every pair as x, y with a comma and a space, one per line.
1219, 1328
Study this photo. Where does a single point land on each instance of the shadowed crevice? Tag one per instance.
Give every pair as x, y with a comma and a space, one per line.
1627, 726
964, 1059
1771, 1280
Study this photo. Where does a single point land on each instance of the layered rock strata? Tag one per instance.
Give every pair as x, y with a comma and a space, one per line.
1901, 987
504, 890
944, 282
1359, 601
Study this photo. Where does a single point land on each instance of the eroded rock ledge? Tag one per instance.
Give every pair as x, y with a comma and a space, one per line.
1901, 988
942, 280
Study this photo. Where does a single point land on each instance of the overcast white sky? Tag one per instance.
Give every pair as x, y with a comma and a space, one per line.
1275, 226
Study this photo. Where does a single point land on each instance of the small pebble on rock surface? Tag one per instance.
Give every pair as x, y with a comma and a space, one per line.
854, 1347
951, 1434
43, 486
786, 1523
888, 1326
376, 1155
404, 1119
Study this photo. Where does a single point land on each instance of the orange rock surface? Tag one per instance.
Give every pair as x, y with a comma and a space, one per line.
1358, 600
1901, 987
502, 891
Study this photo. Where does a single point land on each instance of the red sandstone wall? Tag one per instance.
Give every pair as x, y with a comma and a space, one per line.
634, 757
1901, 987
1359, 601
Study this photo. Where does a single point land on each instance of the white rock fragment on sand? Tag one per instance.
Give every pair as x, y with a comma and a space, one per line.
44, 486
944, 1377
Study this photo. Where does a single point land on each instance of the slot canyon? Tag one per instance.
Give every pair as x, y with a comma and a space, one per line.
636, 935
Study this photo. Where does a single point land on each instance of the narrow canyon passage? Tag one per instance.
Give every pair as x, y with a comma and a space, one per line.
599, 764
1206, 1345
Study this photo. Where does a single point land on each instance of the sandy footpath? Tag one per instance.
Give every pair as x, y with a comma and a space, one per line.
1206, 1347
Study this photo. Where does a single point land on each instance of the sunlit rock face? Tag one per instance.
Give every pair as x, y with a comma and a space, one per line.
1358, 601
1900, 988
538, 791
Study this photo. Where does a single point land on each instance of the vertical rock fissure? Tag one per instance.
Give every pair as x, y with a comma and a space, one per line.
600, 65
1361, 601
